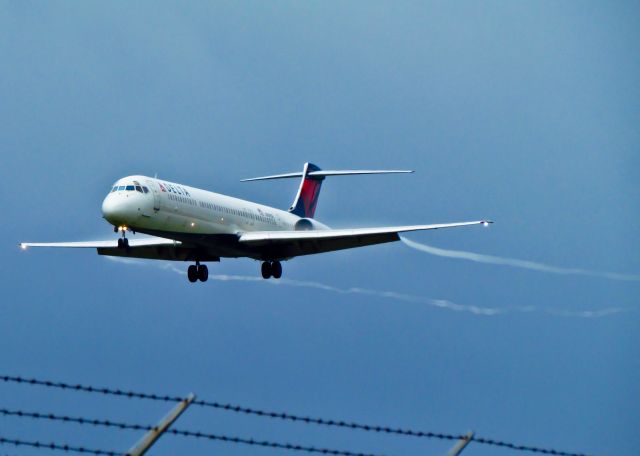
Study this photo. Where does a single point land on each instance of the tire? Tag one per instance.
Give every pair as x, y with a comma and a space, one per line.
192, 273
276, 269
120, 243
125, 242
266, 270
203, 273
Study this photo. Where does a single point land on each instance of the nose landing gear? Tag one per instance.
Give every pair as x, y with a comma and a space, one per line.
123, 242
197, 272
271, 269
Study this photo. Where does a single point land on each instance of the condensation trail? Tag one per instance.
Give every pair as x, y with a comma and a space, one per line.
392, 295
524, 264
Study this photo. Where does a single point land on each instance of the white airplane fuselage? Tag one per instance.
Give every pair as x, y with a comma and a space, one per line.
168, 208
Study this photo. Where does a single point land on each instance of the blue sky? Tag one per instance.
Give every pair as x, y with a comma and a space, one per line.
525, 113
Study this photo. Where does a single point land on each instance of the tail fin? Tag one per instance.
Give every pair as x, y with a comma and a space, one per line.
304, 205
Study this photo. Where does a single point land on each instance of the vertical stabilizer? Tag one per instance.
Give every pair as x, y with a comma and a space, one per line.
304, 205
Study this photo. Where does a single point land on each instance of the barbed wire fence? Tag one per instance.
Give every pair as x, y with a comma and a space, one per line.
286, 416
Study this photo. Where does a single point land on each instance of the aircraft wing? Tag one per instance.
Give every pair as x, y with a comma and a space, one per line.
152, 248
287, 244
112, 243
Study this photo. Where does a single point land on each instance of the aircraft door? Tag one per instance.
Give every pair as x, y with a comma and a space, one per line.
153, 186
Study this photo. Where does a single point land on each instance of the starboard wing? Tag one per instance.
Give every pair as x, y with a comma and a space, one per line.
112, 243
152, 248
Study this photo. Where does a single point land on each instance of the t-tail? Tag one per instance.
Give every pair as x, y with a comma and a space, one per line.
306, 200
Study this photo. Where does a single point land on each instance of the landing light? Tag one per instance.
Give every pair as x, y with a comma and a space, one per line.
485, 223
193, 224
23, 246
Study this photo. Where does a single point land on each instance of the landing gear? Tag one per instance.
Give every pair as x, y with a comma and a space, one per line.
266, 270
197, 272
192, 273
203, 273
271, 269
276, 269
123, 242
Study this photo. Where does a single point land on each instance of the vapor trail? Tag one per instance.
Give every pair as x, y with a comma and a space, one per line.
524, 264
392, 295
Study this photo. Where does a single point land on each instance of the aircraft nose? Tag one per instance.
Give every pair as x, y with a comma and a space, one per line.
113, 210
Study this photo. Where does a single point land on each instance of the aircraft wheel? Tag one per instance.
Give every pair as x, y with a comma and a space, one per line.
276, 269
120, 243
266, 270
125, 243
192, 273
203, 273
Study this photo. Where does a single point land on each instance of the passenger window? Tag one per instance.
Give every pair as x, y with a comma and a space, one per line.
138, 189
130, 188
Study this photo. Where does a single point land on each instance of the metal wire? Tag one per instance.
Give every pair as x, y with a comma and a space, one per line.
285, 415
184, 433
56, 446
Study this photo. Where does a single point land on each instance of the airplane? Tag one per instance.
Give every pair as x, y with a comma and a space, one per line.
189, 224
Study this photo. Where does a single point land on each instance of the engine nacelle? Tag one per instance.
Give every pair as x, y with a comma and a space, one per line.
309, 224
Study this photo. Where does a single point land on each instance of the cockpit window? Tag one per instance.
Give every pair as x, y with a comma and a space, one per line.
120, 188
130, 188
138, 188
114, 189
145, 189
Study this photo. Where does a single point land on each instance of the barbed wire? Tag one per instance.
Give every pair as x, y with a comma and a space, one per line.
180, 432
284, 415
56, 446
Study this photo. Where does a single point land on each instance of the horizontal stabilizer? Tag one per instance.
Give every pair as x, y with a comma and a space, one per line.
321, 174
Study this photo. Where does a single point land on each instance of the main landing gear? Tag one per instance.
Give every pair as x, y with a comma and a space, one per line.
271, 269
197, 272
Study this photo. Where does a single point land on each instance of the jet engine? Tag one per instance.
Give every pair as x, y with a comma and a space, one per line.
309, 224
